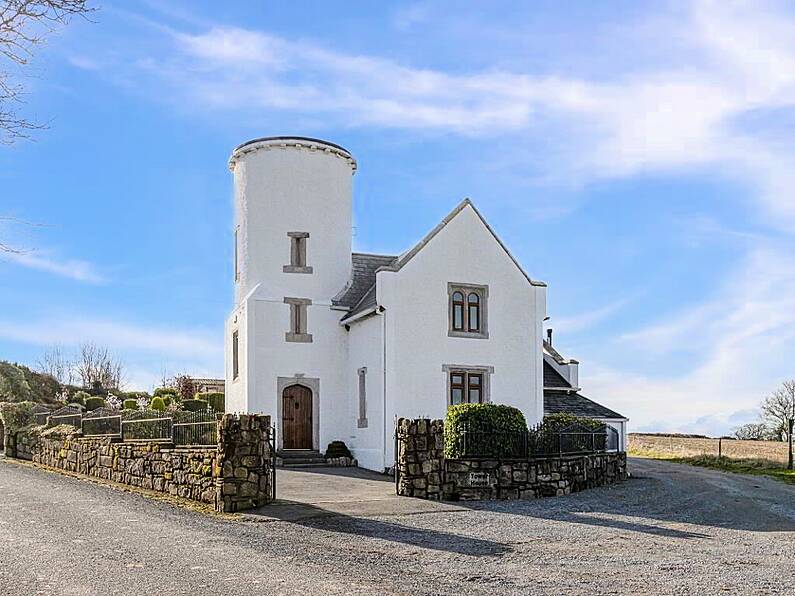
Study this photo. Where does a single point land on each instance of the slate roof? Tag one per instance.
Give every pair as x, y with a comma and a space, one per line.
569, 402
360, 294
553, 378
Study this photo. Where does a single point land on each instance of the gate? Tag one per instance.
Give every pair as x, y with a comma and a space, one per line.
272, 464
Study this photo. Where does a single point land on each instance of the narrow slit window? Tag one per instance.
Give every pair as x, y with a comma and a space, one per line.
237, 254
235, 356
362, 421
298, 252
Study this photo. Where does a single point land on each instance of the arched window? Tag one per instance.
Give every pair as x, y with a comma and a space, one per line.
458, 311
473, 312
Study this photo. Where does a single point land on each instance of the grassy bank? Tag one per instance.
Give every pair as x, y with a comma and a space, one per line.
758, 467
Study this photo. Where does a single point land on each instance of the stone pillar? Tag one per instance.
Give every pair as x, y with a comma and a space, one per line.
420, 458
244, 458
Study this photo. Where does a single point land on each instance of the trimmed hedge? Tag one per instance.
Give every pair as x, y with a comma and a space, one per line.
337, 449
158, 404
130, 404
92, 403
493, 429
194, 405
80, 397
214, 398
164, 391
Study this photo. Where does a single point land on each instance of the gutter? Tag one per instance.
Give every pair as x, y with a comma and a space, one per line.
361, 315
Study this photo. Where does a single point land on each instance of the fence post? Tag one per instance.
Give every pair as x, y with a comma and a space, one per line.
720, 447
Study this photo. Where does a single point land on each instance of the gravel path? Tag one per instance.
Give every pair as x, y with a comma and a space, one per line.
671, 529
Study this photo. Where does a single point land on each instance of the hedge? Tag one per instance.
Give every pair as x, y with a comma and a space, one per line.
493, 430
558, 422
337, 449
164, 391
214, 398
80, 397
92, 403
130, 404
16, 415
194, 405
158, 404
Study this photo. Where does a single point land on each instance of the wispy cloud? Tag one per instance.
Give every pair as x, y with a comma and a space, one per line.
665, 117
70, 268
588, 319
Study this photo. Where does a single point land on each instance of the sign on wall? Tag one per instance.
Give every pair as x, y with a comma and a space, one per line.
479, 479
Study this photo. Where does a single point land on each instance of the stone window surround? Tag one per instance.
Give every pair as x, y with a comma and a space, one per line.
483, 292
486, 371
361, 374
297, 253
313, 384
299, 334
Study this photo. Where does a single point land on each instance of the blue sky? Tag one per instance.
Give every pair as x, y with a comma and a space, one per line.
635, 156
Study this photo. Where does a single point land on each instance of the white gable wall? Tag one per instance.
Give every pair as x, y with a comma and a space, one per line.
417, 342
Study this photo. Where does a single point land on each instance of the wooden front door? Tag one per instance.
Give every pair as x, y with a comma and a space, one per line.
297, 417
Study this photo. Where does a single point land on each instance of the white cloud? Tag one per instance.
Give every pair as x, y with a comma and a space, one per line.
586, 320
71, 268
666, 117
738, 346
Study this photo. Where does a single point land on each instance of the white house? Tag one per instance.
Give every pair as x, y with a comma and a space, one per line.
335, 345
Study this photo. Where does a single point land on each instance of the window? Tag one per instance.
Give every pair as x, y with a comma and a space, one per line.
468, 314
237, 255
298, 242
235, 357
466, 387
298, 320
362, 421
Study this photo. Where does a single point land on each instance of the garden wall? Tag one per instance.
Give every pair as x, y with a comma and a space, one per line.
232, 477
424, 472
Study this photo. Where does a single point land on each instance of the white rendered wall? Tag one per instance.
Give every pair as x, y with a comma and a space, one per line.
284, 186
365, 349
416, 302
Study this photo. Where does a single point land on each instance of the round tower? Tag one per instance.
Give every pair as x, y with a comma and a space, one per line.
293, 220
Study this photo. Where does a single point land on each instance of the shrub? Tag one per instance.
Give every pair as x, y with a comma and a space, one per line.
158, 404
194, 405
185, 387
215, 399
166, 399
130, 404
337, 449
165, 391
494, 430
80, 397
92, 403
16, 415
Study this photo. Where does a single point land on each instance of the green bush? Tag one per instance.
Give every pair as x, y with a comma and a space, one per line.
215, 399
13, 385
167, 399
494, 430
92, 403
130, 404
164, 391
194, 405
80, 397
16, 415
158, 404
337, 449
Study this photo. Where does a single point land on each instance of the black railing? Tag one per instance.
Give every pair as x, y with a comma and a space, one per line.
102, 422
195, 429
539, 441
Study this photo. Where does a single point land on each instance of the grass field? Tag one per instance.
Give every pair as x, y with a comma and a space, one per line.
763, 458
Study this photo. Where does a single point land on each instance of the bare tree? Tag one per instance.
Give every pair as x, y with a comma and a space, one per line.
779, 410
25, 25
97, 368
56, 364
753, 431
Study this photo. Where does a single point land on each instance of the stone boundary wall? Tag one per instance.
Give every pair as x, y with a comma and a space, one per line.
425, 473
231, 477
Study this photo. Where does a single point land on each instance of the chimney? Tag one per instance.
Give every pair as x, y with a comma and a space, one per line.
549, 336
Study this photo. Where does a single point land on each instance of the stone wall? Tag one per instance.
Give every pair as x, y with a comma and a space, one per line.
232, 477
425, 473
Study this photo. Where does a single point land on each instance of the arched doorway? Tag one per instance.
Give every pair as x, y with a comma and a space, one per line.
297, 417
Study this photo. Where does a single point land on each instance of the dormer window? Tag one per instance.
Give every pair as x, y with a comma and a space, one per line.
467, 310
298, 244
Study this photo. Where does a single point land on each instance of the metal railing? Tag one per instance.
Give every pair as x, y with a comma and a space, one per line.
195, 429
102, 422
66, 415
539, 441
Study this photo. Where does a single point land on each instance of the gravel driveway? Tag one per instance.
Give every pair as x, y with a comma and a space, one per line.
671, 529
